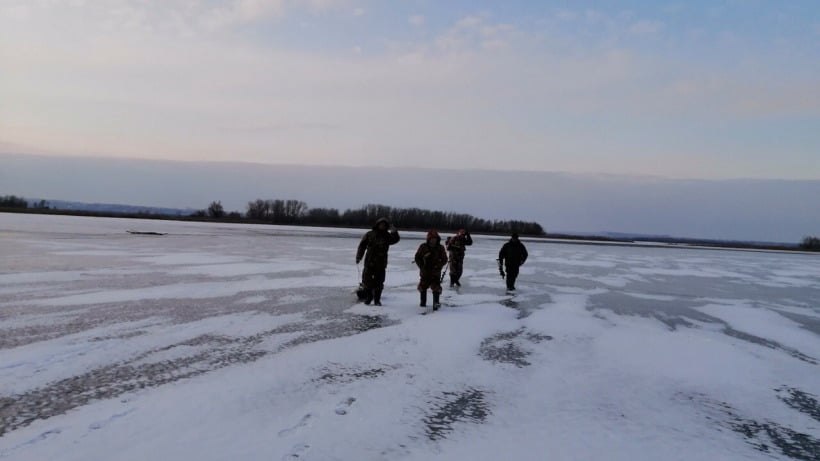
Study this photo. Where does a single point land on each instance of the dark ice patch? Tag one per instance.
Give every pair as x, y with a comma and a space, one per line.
338, 326
526, 305
806, 322
469, 405
769, 343
111, 381
673, 314
336, 373
508, 347
321, 303
127, 335
213, 352
766, 436
682, 313
801, 401
362, 323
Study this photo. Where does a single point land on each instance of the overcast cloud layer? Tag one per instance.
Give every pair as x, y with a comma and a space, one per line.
758, 210
699, 89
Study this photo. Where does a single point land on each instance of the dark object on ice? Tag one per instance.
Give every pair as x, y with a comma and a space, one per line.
361, 292
513, 254
367, 296
146, 233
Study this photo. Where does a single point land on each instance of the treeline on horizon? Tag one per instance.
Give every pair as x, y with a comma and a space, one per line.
297, 212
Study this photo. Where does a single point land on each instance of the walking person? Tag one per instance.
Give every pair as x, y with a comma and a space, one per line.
456, 246
431, 258
374, 247
512, 255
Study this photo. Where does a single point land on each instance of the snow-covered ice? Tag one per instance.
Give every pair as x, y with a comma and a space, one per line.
219, 341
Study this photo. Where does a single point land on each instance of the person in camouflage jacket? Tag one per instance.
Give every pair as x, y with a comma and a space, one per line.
456, 246
373, 248
431, 258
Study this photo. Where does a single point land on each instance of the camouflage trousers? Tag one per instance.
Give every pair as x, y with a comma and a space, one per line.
431, 281
456, 266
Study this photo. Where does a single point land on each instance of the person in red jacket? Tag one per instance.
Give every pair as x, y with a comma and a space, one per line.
431, 258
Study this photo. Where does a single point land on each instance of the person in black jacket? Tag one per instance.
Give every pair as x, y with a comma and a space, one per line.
512, 255
375, 244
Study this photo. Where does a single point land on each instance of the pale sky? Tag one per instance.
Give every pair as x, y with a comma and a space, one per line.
681, 89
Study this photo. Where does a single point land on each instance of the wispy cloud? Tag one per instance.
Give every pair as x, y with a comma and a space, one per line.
161, 78
646, 27
567, 15
241, 12
285, 126
416, 20
472, 32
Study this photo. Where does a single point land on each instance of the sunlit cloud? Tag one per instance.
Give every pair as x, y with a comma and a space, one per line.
184, 80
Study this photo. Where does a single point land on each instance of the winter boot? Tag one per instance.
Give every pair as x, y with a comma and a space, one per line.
436, 303
377, 300
423, 302
368, 296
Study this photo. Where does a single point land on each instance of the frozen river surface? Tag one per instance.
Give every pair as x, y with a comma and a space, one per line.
219, 341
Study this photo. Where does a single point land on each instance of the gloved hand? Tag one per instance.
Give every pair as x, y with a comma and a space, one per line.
358, 260
503, 275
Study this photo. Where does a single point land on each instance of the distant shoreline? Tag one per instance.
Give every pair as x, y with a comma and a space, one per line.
642, 242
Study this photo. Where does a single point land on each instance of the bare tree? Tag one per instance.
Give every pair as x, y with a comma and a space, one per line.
215, 210
258, 210
811, 244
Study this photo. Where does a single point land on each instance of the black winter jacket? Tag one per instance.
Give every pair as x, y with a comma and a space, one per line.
513, 253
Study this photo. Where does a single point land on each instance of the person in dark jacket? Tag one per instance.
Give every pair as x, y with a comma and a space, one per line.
512, 255
456, 246
431, 258
374, 247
